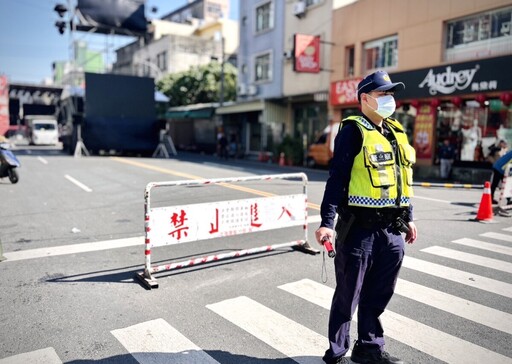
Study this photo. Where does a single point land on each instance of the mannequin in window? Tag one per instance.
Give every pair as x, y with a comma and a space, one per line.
470, 140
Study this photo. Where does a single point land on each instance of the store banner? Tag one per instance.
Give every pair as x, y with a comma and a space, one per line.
4, 105
486, 75
344, 92
306, 53
424, 132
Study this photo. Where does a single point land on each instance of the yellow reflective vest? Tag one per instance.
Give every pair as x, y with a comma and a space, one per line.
379, 178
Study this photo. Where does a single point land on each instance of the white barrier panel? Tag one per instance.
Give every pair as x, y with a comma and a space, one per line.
186, 223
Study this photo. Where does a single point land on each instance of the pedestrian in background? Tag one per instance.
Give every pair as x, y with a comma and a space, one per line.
498, 172
369, 186
446, 157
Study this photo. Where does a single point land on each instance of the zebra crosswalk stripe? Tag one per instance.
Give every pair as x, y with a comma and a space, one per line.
321, 295
455, 275
157, 342
455, 305
42, 356
497, 236
287, 336
470, 258
429, 340
478, 244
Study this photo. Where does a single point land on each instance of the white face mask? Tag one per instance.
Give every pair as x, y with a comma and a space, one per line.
385, 105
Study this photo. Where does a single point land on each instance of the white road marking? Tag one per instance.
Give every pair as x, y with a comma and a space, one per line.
498, 236
42, 160
72, 249
431, 199
43, 356
287, 336
89, 247
78, 183
470, 258
157, 342
501, 249
454, 275
434, 342
455, 305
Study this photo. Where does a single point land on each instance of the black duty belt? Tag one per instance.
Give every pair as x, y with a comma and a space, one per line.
375, 218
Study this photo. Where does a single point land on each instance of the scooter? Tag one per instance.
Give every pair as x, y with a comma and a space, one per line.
8, 164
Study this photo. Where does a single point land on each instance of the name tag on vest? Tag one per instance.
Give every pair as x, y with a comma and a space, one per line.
380, 157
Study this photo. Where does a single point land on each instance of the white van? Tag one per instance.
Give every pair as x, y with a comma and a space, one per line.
42, 130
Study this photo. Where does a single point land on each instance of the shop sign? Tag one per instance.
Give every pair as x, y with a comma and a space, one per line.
344, 92
35, 94
4, 105
424, 132
462, 78
306, 53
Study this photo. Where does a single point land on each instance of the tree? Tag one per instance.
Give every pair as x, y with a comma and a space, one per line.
199, 84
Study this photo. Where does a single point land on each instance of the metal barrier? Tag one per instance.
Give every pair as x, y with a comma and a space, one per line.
187, 223
447, 185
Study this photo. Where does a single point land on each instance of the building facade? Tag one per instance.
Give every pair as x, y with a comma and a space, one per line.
307, 67
450, 54
256, 121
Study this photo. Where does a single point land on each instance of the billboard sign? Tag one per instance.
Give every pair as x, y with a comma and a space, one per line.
306, 53
4, 105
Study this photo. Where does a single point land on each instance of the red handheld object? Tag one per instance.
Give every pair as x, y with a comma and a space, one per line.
328, 246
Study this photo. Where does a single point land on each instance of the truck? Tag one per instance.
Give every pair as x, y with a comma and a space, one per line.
42, 129
320, 152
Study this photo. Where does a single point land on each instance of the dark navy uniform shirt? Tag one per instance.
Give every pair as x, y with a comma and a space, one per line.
347, 145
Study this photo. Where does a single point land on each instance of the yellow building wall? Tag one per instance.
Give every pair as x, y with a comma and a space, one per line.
419, 25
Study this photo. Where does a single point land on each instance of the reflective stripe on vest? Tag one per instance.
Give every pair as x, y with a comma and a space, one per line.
373, 181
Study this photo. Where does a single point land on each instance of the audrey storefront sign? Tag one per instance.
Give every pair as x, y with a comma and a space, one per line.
448, 81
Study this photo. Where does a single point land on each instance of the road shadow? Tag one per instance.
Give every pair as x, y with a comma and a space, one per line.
127, 274
197, 357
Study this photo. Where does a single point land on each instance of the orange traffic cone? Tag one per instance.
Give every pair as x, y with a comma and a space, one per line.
282, 162
485, 208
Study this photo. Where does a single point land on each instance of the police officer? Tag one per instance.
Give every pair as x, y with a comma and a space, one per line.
369, 186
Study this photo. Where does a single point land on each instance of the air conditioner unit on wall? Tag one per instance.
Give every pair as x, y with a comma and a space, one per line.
252, 90
241, 89
299, 9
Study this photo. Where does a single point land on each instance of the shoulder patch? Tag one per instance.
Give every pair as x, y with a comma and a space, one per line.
395, 124
361, 121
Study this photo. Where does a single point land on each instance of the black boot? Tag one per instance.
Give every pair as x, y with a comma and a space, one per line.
362, 356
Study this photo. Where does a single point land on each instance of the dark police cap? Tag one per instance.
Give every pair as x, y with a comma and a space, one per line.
377, 81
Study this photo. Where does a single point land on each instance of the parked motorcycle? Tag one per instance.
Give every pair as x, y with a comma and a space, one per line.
8, 163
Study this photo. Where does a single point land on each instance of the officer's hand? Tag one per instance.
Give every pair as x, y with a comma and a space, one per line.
411, 236
321, 232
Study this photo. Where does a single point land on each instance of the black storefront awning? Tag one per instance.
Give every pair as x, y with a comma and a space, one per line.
481, 76
190, 114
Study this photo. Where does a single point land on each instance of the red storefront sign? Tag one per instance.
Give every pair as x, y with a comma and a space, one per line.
4, 105
424, 131
306, 53
344, 92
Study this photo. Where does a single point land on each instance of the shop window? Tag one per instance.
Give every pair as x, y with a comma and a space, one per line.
487, 33
263, 68
349, 61
380, 54
264, 17
473, 129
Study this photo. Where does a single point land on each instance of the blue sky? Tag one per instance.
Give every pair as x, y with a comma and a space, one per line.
30, 42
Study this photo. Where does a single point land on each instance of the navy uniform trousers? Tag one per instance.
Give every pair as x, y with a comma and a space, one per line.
367, 266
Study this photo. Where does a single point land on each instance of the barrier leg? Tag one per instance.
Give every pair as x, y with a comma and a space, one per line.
147, 279
306, 248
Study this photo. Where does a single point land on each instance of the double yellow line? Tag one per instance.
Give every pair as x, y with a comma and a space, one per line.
191, 176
